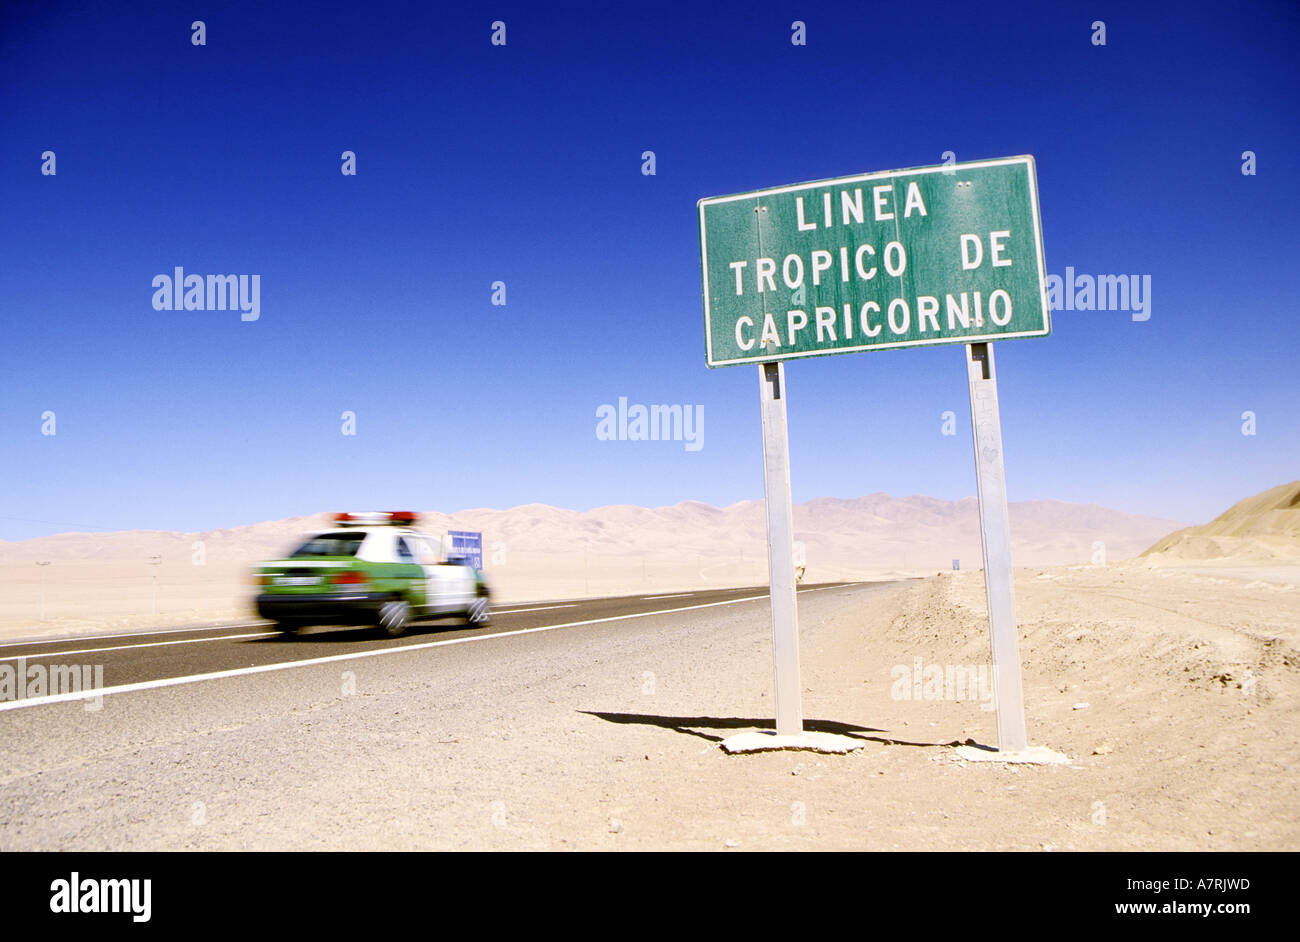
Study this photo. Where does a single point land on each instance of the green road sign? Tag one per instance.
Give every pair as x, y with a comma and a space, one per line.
947, 254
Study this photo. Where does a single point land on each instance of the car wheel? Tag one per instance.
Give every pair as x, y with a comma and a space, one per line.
288, 628
394, 617
480, 612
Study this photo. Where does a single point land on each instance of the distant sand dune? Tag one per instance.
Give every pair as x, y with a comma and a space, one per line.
1262, 528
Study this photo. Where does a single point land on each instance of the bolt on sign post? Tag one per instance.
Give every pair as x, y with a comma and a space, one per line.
951, 254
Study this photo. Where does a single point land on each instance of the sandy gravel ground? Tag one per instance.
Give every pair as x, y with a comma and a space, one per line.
605, 737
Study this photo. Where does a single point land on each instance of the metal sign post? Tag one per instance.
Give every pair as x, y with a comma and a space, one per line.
995, 537
780, 549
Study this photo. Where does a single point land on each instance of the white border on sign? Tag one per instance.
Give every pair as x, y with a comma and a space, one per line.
1026, 159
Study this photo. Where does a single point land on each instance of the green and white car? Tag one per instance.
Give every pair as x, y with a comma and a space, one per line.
372, 569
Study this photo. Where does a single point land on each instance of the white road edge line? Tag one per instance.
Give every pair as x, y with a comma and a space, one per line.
174, 631
41, 656
680, 595
76, 639
335, 658
516, 611
251, 624
45, 655
130, 634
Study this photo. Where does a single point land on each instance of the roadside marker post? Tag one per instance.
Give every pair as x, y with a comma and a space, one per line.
932, 255
42, 563
155, 561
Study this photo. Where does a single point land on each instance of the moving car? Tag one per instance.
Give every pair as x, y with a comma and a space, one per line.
371, 569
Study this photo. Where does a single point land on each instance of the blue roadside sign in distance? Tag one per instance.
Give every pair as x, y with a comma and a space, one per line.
467, 547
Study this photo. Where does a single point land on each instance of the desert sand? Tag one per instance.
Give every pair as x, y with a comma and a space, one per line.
1173, 694
1173, 689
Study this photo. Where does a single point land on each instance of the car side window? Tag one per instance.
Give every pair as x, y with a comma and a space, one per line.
421, 548
404, 553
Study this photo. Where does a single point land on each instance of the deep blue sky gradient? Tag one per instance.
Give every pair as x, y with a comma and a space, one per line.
522, 164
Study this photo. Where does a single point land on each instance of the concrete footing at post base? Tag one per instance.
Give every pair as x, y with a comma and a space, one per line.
766, 740
1032, 755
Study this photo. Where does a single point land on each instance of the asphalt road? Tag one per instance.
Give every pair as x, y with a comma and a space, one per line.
235, 738
142, 660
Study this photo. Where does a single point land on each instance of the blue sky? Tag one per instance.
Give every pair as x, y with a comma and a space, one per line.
522, 164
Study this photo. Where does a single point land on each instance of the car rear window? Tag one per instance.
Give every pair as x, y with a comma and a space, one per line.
330, 544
